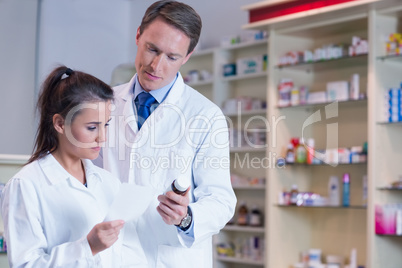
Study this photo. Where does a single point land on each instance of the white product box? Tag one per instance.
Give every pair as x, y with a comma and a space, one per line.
337, 91
317, 97
249, 65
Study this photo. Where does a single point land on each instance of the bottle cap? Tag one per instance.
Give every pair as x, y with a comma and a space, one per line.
181, 184
255, 207
310, 142
346, 177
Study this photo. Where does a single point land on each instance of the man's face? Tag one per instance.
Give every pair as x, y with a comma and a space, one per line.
162, 50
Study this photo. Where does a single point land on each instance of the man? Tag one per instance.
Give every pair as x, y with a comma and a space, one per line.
185, 136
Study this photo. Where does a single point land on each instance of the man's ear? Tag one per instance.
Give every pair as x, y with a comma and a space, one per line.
137, 36
187, 57
58, 123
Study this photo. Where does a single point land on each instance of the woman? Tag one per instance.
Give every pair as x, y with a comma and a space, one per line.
53, 209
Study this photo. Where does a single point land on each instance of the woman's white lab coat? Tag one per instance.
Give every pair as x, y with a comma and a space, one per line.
186, 136
48, 213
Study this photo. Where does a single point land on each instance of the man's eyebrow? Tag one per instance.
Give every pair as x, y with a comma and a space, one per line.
157, 48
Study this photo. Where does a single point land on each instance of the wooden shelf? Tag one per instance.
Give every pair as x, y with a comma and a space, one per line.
12, 159
240, 260
326, 207
324, 164
201, 83
343, 62
390, 58
246, 44
243, 76
247, 113
246, 229
247, 150
249, 187
390, 123
388, 188
389, 235
203, 53
343, 104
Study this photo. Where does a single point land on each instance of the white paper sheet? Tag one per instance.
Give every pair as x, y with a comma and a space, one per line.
130, 202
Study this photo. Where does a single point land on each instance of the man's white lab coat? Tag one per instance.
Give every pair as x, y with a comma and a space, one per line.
186, 136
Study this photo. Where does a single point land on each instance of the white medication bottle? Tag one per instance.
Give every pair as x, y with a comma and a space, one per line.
364, 190
333, 191
353, 258
178, 186
354, 87
398, 222
293, 195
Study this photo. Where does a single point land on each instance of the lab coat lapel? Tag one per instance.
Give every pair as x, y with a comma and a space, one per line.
176, 92
128, 110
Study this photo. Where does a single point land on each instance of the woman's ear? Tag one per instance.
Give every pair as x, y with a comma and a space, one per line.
58, 123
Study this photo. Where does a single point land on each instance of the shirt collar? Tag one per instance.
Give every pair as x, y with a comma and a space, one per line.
159, 94
90, 169
55, 172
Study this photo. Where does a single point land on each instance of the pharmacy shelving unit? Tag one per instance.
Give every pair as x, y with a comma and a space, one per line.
335, 231
9, 166
250, 85
384, 165
202, 60
219, 89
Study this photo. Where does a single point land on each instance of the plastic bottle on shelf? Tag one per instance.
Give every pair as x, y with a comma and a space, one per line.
242, 215
353, 258
290, 154
295, 143
293, 195
346, 190
354, 87
255, 216
303, 92
310, 151
301, 152
364, 190
333, 191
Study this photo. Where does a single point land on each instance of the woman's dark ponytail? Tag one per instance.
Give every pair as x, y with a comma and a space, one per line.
62, 90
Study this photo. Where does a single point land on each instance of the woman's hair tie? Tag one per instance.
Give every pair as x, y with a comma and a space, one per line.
67, 73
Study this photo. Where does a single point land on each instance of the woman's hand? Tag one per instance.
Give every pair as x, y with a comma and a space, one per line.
103, 235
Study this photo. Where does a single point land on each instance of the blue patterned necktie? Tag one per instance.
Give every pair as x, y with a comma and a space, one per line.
145, 101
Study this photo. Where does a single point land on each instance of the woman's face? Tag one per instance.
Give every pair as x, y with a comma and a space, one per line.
85, 133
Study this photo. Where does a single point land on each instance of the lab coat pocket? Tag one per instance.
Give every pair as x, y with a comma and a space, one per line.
177, 257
